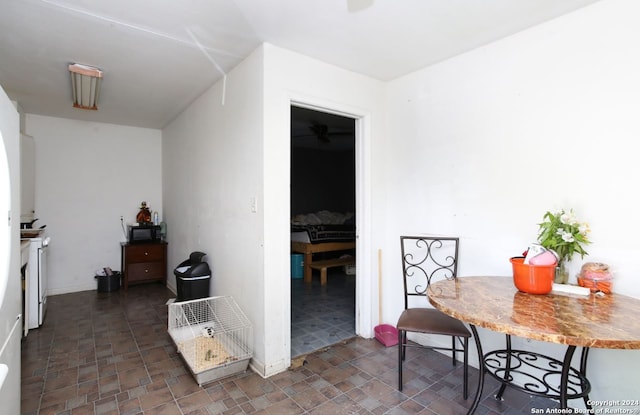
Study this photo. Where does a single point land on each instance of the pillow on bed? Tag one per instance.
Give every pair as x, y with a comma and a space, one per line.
323, 217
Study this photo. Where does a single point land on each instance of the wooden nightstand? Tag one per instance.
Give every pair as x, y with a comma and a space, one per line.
143, 262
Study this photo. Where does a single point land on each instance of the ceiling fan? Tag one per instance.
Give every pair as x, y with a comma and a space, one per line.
323, 133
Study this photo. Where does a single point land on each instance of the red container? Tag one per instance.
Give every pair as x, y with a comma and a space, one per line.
533, 279
386, 334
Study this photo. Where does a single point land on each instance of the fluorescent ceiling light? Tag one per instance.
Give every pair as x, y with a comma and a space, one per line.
85, 86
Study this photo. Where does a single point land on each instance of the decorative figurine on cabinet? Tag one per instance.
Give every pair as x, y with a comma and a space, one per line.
144, 216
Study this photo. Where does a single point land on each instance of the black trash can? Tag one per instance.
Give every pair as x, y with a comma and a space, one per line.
192, 278
109, 283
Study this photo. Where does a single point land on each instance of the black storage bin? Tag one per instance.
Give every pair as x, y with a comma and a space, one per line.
192, 278
108, 283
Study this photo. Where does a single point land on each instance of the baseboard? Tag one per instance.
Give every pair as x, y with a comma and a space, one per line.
264, 371
72, 289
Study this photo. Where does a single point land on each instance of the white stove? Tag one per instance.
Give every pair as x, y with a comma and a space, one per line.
36, 282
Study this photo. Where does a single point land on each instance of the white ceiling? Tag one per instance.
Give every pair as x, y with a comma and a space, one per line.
159, 55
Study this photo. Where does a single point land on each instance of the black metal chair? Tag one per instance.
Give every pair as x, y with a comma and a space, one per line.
426, 259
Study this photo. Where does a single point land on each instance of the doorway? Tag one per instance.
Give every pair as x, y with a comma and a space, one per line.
323, 209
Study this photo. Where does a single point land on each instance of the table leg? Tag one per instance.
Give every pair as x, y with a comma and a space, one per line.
564, 377
308, 257
481, 370
323, 276
507, 369
583, 370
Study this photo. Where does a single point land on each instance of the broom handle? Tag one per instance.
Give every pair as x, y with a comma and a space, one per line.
379, 286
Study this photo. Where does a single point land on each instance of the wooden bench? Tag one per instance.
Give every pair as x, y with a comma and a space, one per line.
309, 249
324, 264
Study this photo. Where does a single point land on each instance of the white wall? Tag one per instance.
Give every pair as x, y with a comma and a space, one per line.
485, 143
212, 168
88, 175
224, 151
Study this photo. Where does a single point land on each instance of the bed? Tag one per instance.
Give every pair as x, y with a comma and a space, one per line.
322, 232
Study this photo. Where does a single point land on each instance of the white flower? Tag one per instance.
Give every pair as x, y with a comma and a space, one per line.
584, 229
568, 218
567, 237
562, 233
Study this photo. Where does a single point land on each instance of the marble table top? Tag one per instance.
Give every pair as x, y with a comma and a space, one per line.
496, 304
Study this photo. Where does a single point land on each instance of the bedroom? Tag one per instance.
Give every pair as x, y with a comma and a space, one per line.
322, 192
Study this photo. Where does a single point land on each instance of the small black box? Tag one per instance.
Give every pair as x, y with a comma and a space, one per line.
108, 283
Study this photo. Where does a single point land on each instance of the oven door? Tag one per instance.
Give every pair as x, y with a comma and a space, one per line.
36, 293
42, 279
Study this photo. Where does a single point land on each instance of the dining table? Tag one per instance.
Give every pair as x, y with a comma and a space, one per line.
595, 320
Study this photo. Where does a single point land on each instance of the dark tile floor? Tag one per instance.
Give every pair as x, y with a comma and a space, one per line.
109, 353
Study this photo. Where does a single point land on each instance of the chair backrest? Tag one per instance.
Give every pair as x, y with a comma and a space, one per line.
426, 259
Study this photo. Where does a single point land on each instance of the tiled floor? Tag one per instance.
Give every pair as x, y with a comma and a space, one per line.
322, 315
109, 353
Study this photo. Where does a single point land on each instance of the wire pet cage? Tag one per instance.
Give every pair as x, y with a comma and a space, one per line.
213, 336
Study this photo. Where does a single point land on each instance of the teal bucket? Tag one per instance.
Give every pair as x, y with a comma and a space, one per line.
297, 266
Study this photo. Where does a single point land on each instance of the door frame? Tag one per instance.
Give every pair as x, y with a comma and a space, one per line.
364, 282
